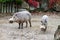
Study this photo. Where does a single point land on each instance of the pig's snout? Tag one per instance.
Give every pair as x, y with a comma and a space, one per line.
10, 21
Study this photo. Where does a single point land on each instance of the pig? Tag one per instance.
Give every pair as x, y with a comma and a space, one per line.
44, 21
20, 18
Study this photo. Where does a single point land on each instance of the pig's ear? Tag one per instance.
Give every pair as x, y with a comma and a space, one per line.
16, 15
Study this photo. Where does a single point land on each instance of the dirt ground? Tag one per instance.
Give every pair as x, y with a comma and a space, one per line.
11, 32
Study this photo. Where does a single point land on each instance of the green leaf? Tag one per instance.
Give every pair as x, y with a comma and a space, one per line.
2, 0
19, 2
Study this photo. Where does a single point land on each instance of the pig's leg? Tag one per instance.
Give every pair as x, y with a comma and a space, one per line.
30, 23
26, 23
19, 26
22, 24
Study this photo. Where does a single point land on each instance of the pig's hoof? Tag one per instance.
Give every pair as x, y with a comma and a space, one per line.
26, 26
21, 27
30, 25
18, 27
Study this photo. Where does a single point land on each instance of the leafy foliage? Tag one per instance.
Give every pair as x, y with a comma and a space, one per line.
10, 0
3, 1
19, 2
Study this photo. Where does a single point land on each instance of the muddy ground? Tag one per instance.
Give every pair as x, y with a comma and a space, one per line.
11, 32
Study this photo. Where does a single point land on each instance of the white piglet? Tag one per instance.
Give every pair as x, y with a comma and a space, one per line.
44, 22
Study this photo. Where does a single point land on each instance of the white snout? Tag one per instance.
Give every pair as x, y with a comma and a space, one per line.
42, 27
11, 20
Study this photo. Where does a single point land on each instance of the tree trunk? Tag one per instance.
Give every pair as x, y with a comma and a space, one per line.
2, 7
